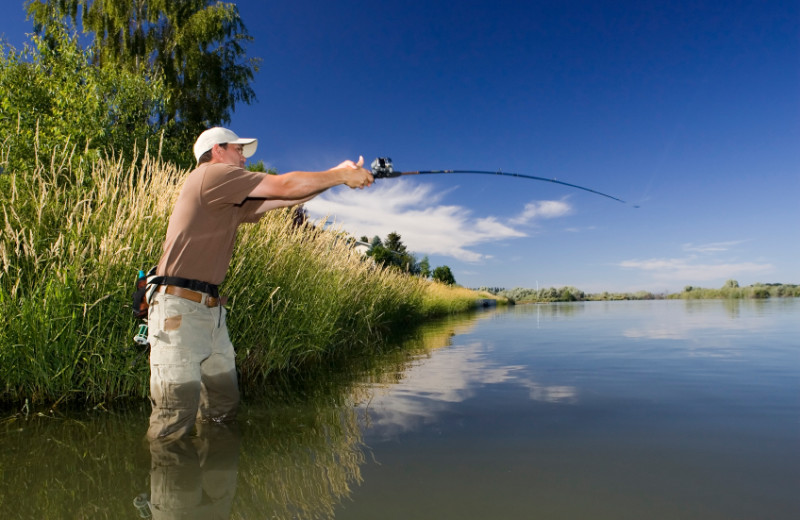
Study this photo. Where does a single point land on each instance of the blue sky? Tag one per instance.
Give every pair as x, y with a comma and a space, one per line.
689, 109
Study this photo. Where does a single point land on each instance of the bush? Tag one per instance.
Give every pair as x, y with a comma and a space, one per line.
54, 99
443, 275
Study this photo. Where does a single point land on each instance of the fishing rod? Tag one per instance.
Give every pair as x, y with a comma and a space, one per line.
382, 168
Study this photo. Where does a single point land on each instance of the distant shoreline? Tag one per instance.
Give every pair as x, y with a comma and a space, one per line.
730, 291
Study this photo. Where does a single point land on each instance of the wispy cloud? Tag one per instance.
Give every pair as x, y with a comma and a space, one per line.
580, 229
713, 247
704, 263
692, 270
427, 226
542, 209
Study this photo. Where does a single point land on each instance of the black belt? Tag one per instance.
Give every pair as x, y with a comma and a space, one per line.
186, 283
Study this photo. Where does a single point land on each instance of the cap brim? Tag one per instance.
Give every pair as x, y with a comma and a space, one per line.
249, 146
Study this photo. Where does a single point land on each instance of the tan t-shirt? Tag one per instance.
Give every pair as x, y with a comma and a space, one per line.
202, 228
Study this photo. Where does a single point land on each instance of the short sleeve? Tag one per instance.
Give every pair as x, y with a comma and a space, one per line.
249, 211
226, 184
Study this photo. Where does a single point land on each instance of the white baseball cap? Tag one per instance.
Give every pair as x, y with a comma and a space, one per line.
219, 135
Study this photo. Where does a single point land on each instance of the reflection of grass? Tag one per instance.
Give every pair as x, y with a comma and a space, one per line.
301, 451
298, 463
89, 467
303, 448
73, 240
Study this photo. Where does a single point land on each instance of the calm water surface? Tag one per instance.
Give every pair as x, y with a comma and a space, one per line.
665, 409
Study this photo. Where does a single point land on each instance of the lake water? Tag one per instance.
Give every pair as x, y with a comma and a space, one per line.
656, 409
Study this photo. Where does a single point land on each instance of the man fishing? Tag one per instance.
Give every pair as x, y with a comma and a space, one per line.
192, 360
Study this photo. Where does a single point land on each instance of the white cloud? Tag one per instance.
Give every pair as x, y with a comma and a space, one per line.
705, 263
690, 270
579, 229
427, 226
713, 247
542, 209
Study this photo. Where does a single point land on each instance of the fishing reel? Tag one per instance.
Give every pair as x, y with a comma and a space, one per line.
382, 168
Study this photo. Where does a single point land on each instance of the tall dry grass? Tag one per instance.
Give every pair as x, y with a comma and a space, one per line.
72, 237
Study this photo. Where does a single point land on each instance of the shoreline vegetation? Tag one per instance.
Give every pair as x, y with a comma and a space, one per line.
75, 233
730, 290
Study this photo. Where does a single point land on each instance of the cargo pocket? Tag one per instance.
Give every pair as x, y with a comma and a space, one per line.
173, 322
175, 380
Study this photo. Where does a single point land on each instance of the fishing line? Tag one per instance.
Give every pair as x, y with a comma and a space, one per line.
382, 168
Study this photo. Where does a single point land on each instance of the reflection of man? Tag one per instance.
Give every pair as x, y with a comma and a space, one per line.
192, 370
195, 477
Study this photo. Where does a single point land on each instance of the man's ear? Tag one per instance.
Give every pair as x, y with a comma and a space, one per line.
216, 152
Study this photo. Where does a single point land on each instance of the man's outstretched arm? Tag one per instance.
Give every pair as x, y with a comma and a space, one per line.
301, 186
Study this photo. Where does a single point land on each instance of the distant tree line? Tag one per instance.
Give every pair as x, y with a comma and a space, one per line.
730, 290
492, 290
551, 294
393, 252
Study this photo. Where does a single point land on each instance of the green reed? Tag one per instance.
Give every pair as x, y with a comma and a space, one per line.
72, 236
301, 294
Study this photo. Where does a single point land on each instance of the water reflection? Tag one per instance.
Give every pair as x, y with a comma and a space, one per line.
301, 458
540, 415
548, 310
297, 454
732, 307
454, 375
78, 465
194, 477
692, 319
303, 441
736, 308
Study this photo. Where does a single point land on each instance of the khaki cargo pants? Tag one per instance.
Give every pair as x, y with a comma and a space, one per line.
192, 366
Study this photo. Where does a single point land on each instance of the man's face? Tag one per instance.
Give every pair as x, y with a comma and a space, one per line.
232, 154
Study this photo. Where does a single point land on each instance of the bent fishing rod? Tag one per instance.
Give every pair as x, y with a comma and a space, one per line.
382, 168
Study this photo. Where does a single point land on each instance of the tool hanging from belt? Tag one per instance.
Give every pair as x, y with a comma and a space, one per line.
192, 290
